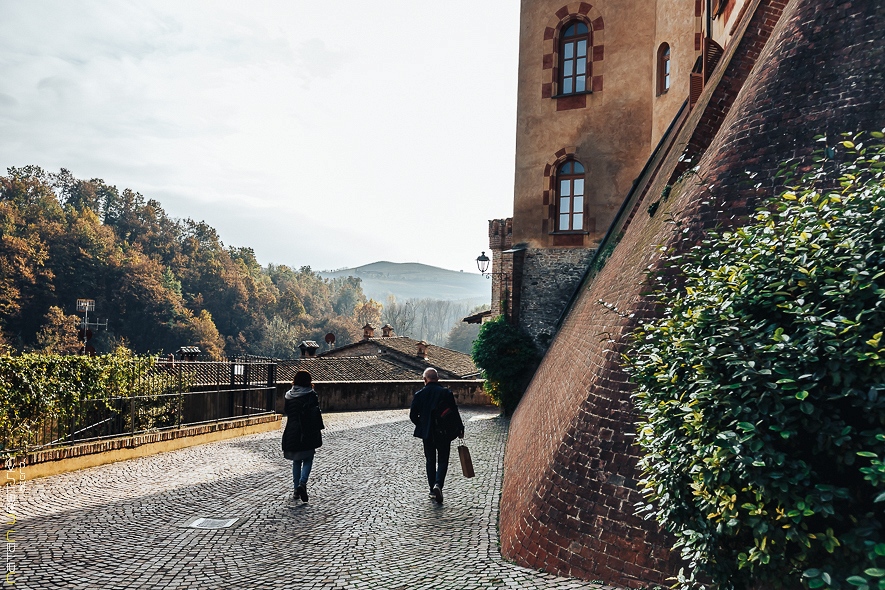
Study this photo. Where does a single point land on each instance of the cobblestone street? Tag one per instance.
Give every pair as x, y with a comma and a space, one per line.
369, 523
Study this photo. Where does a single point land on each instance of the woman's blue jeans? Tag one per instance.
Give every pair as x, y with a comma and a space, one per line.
301, 470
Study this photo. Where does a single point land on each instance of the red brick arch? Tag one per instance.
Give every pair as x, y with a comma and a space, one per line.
590, 15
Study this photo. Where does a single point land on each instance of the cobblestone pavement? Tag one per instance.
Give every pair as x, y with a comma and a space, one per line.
369, 523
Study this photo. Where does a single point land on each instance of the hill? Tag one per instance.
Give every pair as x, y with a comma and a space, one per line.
412, 280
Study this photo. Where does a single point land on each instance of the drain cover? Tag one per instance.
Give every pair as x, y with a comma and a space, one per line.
212, 523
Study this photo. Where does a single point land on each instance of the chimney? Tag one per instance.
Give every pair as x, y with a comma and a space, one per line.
387, 331
368, 331
308, 348
422, 349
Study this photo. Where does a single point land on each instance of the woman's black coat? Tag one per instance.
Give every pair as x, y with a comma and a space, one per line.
304, 423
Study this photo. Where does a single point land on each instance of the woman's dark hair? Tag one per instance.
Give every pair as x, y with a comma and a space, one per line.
302, 379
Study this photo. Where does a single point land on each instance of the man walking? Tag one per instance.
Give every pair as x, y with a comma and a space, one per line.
429, 403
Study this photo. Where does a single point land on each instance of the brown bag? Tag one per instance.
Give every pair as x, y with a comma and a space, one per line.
466, 461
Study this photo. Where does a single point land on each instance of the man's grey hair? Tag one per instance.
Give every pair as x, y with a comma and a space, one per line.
430, 374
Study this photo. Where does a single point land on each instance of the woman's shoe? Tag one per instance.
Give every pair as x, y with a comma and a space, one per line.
301, 492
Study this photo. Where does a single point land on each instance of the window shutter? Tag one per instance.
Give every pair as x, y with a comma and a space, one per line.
712, 54
696, 85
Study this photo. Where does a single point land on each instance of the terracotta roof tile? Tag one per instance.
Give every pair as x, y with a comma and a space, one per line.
402, 350
346, 368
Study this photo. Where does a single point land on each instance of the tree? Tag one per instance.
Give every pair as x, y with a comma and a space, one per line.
279, 339
508, 359
204, 334
462, 335
347, 292
368, 313
59, 333
761, 388
399, 315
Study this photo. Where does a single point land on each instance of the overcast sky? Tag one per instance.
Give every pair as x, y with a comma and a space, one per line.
329, 134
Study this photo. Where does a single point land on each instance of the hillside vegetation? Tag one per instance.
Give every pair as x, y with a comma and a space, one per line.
159, 282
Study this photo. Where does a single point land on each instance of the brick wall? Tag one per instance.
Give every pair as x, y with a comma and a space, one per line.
570, 481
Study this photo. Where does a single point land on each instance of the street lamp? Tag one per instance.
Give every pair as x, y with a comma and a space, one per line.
482, 263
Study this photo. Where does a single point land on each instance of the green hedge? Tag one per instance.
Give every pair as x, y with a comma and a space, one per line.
761, 389
37, 387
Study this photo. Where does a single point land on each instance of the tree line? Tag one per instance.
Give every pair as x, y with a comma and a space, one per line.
162, 283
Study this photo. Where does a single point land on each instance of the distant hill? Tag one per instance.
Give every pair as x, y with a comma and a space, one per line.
412, 280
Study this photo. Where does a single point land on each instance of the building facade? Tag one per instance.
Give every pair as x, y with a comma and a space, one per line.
599, 87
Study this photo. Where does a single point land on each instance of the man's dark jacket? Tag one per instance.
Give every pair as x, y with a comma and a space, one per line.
423, 404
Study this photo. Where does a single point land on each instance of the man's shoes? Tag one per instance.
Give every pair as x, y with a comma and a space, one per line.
437, 494
301, 492
431, 495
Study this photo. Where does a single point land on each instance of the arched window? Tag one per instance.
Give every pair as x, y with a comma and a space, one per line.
570, 196
663, 68
574, 45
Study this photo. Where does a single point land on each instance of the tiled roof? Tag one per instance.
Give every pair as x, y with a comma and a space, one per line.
404, 350
346, 368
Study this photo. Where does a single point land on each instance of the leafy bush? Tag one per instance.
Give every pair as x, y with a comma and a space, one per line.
761, 388
508, 359
37, 387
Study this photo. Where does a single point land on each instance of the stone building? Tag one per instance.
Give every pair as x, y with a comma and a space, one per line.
752, 82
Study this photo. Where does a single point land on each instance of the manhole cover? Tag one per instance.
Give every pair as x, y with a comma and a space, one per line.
212, 523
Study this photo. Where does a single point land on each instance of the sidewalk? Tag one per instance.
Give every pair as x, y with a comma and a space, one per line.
369, 523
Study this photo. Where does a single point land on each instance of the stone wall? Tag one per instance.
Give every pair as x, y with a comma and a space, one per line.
81, 456
570, 484
549, 277
351, 396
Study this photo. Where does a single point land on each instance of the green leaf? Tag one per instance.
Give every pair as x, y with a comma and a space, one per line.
856, 580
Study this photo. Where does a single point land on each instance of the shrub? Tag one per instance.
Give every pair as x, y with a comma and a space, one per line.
37, 387
508, 358
761, 389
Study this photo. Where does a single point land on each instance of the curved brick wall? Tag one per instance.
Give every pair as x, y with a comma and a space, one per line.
570, 479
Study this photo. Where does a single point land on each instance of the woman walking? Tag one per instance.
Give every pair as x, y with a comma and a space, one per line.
302, 435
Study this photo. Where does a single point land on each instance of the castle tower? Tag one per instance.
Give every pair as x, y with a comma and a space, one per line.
598, 87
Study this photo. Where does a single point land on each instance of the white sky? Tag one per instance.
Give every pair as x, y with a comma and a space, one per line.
329, 134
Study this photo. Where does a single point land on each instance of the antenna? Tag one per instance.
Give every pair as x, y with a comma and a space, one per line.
85, 332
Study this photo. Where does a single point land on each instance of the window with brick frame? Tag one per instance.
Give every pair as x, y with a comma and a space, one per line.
575, 45
663, 74
570, 197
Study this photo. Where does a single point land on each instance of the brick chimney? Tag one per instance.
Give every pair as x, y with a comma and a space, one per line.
308, 348
387, 331
368, 331
422, 349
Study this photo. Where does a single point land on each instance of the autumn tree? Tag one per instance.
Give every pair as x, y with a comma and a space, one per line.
368, 312
58, 335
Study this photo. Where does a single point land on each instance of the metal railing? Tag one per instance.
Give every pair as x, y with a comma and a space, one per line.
100, 419
170, 395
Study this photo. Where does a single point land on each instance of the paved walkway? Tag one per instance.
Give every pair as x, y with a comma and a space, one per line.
369, 523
